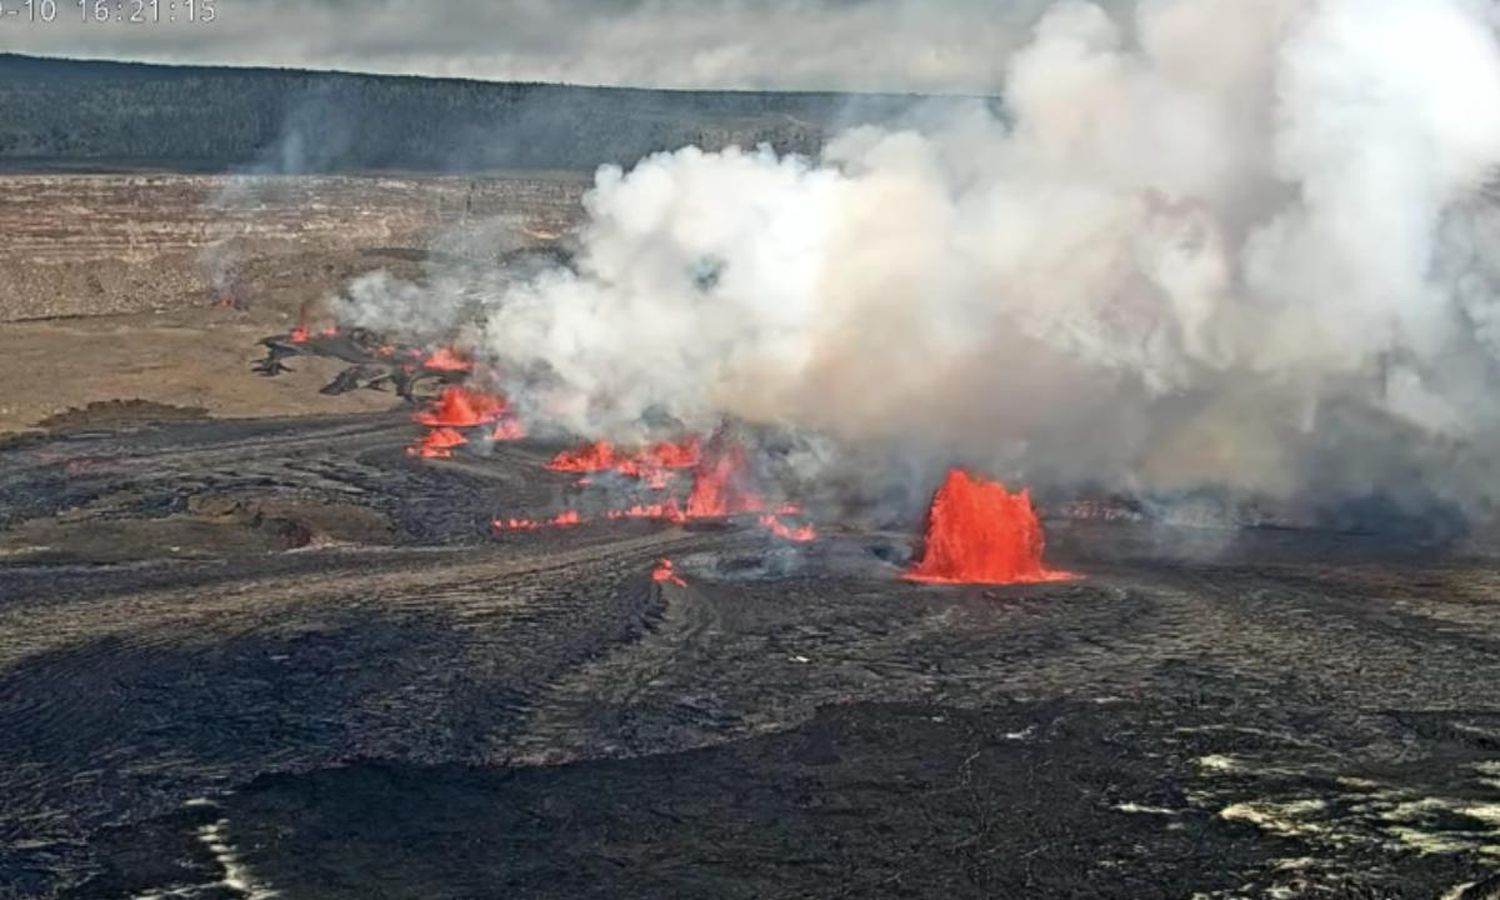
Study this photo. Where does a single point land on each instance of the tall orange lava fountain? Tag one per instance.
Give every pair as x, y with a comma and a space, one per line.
979, 533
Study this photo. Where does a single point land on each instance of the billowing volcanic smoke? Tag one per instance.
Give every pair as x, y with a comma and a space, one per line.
979, 533
1208, 243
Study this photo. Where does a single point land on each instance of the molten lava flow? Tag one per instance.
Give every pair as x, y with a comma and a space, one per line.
664, 572
437, 444
673, 455
718, 485
798, 533
446, 359
299, 332
463, 407
593, 456
978, 533
648, 463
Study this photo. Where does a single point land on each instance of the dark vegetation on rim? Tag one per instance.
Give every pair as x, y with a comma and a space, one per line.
85, 114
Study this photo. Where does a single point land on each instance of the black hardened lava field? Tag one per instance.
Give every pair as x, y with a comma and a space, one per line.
316, 658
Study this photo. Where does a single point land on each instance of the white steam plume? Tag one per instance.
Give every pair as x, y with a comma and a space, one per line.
1212, 242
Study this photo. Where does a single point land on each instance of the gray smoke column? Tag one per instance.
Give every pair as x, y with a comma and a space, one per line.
1212, 242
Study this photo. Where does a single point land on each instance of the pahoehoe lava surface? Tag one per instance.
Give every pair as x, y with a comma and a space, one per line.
246, 659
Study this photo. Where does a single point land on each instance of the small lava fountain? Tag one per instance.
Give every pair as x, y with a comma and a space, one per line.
446, 359
665, 573
980, 533
462, 407
719, 488
437, 443
458, 407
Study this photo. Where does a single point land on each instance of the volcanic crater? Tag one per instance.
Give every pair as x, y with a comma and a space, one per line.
332, 657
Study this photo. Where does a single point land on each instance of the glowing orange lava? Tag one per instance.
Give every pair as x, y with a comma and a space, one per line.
719, 485
798, 533
593, 456
665, 573
979, 533
446, 359
647, 463
462, 407
437, 444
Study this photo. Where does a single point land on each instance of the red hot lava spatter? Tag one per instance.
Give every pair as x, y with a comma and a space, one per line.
664, 572
797, 533
299, 333
564, 519
647, 463
460, 406
719, 485
437, 443
446, 359
980, 533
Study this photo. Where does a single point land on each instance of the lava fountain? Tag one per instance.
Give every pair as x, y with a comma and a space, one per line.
665, 573
446, 359
648, 463
460, 406
719, 484
980, 533
437, 443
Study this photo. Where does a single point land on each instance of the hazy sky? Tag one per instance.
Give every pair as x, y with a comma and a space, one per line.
919, 45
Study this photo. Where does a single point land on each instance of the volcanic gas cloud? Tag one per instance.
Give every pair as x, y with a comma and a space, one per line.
980, 533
